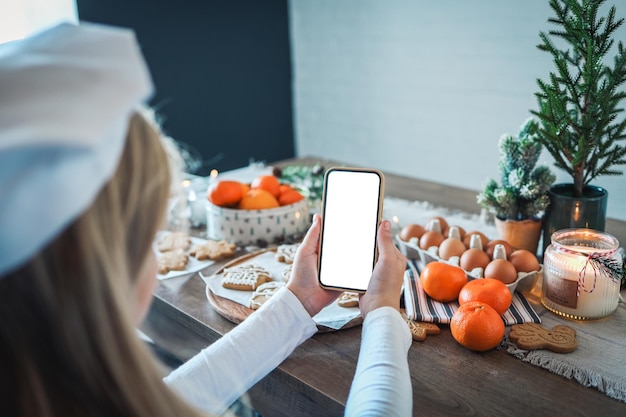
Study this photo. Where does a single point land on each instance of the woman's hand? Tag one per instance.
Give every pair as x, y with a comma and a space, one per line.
304, 277
385, 286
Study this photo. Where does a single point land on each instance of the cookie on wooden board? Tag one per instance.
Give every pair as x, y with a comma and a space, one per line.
245, 277
287, 273
348, 299
264, 292
286, 253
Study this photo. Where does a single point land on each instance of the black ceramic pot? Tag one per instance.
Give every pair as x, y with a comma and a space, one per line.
567, 212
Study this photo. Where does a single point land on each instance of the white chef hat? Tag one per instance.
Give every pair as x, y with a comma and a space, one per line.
66, 96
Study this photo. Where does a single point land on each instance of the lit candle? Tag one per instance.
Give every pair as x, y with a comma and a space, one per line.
196, 206
577, 283
197, 200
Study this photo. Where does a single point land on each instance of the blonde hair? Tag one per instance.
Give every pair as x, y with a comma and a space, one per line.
69, 346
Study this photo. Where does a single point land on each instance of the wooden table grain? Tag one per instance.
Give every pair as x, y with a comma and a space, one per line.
447, 379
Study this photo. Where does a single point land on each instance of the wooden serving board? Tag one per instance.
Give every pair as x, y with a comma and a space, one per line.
237, 312
228, 309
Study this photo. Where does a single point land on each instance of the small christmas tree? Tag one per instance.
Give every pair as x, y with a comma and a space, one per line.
523, 193
580, 104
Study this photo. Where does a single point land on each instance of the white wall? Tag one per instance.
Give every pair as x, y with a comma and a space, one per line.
421, 88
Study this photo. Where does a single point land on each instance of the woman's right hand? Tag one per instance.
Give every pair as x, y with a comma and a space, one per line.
304, 282
385, 287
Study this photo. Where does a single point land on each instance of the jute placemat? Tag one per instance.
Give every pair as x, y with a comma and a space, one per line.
600, 359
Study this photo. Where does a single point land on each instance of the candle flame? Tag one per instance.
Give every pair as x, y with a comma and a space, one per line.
577, 211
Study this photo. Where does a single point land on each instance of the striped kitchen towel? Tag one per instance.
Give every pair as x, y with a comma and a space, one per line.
421, 307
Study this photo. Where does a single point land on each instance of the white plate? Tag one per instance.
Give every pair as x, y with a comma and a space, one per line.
193, 265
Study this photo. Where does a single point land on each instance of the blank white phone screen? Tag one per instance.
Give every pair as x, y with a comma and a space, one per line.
350, 223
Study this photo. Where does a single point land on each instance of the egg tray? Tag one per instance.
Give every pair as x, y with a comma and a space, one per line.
525, 280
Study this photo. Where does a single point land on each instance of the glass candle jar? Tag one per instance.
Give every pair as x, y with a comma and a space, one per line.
576, 284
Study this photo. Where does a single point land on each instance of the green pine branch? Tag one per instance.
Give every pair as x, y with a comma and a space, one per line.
582, 123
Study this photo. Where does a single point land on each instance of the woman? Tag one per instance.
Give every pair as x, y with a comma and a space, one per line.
85, 183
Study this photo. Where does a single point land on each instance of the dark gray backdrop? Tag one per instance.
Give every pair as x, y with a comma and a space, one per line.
222, 70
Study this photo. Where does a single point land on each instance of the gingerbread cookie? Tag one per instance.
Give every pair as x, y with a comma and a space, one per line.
174, 241
286, 253
348, 299
245, 277
419, 329
264, 292
213, 250
287, 273
174, 260
531, 336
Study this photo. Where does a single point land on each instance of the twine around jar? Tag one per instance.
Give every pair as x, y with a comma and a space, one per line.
602, 262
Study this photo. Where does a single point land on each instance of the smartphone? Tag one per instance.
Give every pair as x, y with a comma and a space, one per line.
352, 205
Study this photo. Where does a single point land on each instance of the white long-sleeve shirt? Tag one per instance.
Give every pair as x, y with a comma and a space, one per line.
218, 375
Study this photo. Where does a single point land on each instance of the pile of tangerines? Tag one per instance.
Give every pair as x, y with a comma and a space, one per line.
477, 323
264, 192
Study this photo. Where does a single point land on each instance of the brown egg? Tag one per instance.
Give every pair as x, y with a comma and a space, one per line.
501, 269
524, 261
492, 245
429, 239
468, 238
450, 247
442, 223
474, 258
461, 231
411, 230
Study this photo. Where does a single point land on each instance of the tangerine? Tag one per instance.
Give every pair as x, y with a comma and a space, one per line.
285, 187
268, 183
477, 326
257, 199
225, 193
442, 282
289, 197
488, 290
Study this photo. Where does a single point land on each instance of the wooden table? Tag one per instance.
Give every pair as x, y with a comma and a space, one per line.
447, 379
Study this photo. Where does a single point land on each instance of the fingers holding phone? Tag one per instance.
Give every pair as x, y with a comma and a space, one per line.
385, 286
304, 279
